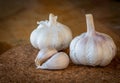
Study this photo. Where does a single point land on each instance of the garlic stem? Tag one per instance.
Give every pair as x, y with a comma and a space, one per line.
90, 24
38, 22
52, 19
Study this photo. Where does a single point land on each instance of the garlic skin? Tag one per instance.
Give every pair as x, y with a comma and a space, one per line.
92, 48
43, 55
49, 58
51, 34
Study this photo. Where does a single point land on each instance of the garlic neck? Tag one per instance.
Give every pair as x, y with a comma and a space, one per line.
52, 20
90, 25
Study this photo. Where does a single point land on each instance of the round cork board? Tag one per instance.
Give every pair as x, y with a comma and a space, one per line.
17, 66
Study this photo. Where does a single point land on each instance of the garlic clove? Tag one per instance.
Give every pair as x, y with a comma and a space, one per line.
92, 48
110, 50
43, 55
75, 49
58, 61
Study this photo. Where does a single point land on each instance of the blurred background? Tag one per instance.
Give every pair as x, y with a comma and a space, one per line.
18, 18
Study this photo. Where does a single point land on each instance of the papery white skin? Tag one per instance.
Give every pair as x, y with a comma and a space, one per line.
51, 34
92, 48
43, 55
58, 61
49, 58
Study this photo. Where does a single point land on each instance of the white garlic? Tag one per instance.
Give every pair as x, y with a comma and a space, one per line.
44, 54
92, 48
49, 58
51, 34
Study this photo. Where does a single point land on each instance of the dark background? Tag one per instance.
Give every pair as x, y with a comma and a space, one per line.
18, 17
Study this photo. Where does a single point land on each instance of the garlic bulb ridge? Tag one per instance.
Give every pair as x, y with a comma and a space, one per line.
92, 48
51, 34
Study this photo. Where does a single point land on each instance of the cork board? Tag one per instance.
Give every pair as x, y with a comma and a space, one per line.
17, 65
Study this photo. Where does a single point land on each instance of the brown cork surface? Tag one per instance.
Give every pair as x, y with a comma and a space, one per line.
17, 66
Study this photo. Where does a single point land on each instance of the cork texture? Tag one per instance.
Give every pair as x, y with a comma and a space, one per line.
17, 66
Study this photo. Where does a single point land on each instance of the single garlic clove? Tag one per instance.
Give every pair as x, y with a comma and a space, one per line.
43, 55
92, 48
57, 61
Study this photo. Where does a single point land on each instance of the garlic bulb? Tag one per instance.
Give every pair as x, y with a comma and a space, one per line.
92, 48
49, 58
51, 34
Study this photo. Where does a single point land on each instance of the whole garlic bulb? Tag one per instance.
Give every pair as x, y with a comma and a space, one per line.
51, 34
92, 48
49, 58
